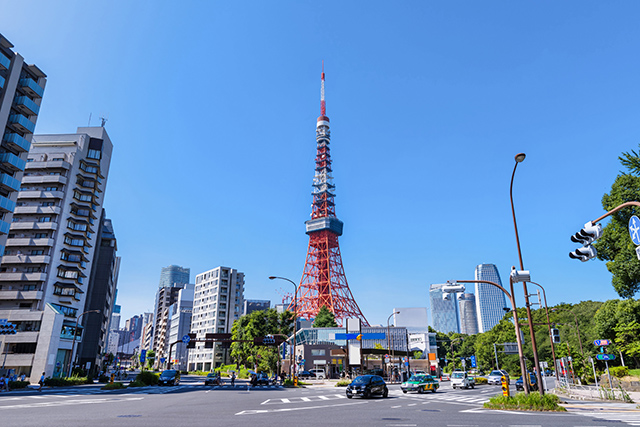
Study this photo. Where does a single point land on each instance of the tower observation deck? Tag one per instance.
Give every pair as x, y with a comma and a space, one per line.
323, 280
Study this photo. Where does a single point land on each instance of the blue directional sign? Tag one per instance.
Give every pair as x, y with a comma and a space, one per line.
599, 343
162, 360
365, 336
634, 229
143, 355
186, 339
605, 356
473, 361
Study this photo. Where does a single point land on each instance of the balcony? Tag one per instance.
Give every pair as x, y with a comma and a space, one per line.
20, 295
22, 123
45, 210
26, 259
23, 277
59, 164
31, 87
26, 106
4, 62
29, 242
32, 225
6, 205
9, 183
44, 179
15, 141
35, 194
12, 162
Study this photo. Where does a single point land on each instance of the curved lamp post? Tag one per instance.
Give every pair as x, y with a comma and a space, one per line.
519, 158
295, 321
75, 332
546, 309
523, 366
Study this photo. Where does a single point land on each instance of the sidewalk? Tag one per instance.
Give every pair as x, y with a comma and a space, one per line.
589, 398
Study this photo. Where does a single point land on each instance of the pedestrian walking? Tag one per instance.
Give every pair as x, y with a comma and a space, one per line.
2, 382
233, 379
41, 382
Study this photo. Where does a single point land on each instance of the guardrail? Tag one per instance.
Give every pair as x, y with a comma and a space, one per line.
583, 392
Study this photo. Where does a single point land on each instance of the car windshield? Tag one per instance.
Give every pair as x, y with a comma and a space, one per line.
417, 378
498, 373
458, 375
211, 375
362, 380
168, 374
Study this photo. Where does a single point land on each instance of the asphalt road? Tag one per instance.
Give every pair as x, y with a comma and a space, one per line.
191, 404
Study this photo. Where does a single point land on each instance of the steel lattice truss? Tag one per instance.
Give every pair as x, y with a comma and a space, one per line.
323, 280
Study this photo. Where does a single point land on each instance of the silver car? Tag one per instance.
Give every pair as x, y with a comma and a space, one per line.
495, 377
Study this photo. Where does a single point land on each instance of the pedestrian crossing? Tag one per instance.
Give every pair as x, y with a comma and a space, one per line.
631, 418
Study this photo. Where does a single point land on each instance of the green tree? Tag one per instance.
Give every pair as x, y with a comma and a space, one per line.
151, 355
615, 246
259, 324
325, 319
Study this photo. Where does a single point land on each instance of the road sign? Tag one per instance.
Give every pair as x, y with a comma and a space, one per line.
601, 342
3, 321
186, 339
162, 360
473, 361
605, 356
143, 355
634, 229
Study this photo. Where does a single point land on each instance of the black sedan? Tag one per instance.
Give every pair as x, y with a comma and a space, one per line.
533, 382
169, 377
367, 386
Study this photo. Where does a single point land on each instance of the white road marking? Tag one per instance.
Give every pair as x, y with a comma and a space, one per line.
305, 399
264, 411
68, 402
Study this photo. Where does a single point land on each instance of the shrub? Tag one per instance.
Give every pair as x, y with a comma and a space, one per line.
147, 378
481, 380
619, 371
103, 379
137, 383
524, 402
16, 385
113, 386
288, 383
64, 382
343, 383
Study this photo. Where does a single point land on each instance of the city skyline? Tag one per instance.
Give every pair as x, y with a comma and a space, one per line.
429, 104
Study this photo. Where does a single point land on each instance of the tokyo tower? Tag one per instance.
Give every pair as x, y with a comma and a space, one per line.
323, 280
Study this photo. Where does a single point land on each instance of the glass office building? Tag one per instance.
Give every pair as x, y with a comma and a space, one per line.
444, 312
490, 300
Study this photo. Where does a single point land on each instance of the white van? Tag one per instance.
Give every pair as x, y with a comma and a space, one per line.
319, 373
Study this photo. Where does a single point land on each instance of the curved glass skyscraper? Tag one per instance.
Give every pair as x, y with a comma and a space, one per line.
444, 313
490, 301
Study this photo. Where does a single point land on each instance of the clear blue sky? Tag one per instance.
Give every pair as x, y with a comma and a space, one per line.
212, 108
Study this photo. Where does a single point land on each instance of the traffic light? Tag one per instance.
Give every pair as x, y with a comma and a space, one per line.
192, 341
8, 329
590, 233
555, 335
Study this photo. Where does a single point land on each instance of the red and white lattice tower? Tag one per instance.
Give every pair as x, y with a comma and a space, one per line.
323, 281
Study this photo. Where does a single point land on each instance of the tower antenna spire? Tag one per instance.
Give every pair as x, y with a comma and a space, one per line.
323, 106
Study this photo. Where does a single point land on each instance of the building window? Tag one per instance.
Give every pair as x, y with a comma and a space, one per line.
94, 154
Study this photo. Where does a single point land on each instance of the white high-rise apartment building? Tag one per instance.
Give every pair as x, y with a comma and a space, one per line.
50, 249
218, 302
468, 317
490, 300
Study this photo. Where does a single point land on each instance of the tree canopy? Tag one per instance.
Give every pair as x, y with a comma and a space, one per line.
615, 246
325, 319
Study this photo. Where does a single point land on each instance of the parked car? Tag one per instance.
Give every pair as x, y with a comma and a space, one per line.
445, 377
495, 377
212, 379
460, 379
420, 373
169, 377
319, 373
306, 375
367, 386
262, 379
533, 383
420, 383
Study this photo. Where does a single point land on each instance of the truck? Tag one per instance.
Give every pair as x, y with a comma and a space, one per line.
460, 379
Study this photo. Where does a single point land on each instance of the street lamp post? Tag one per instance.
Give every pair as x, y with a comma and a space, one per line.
388, 341
73, 344
295, 321
546, 309
512, 299
519, 158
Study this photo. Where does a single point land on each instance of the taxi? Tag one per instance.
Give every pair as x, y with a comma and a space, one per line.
420, 383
